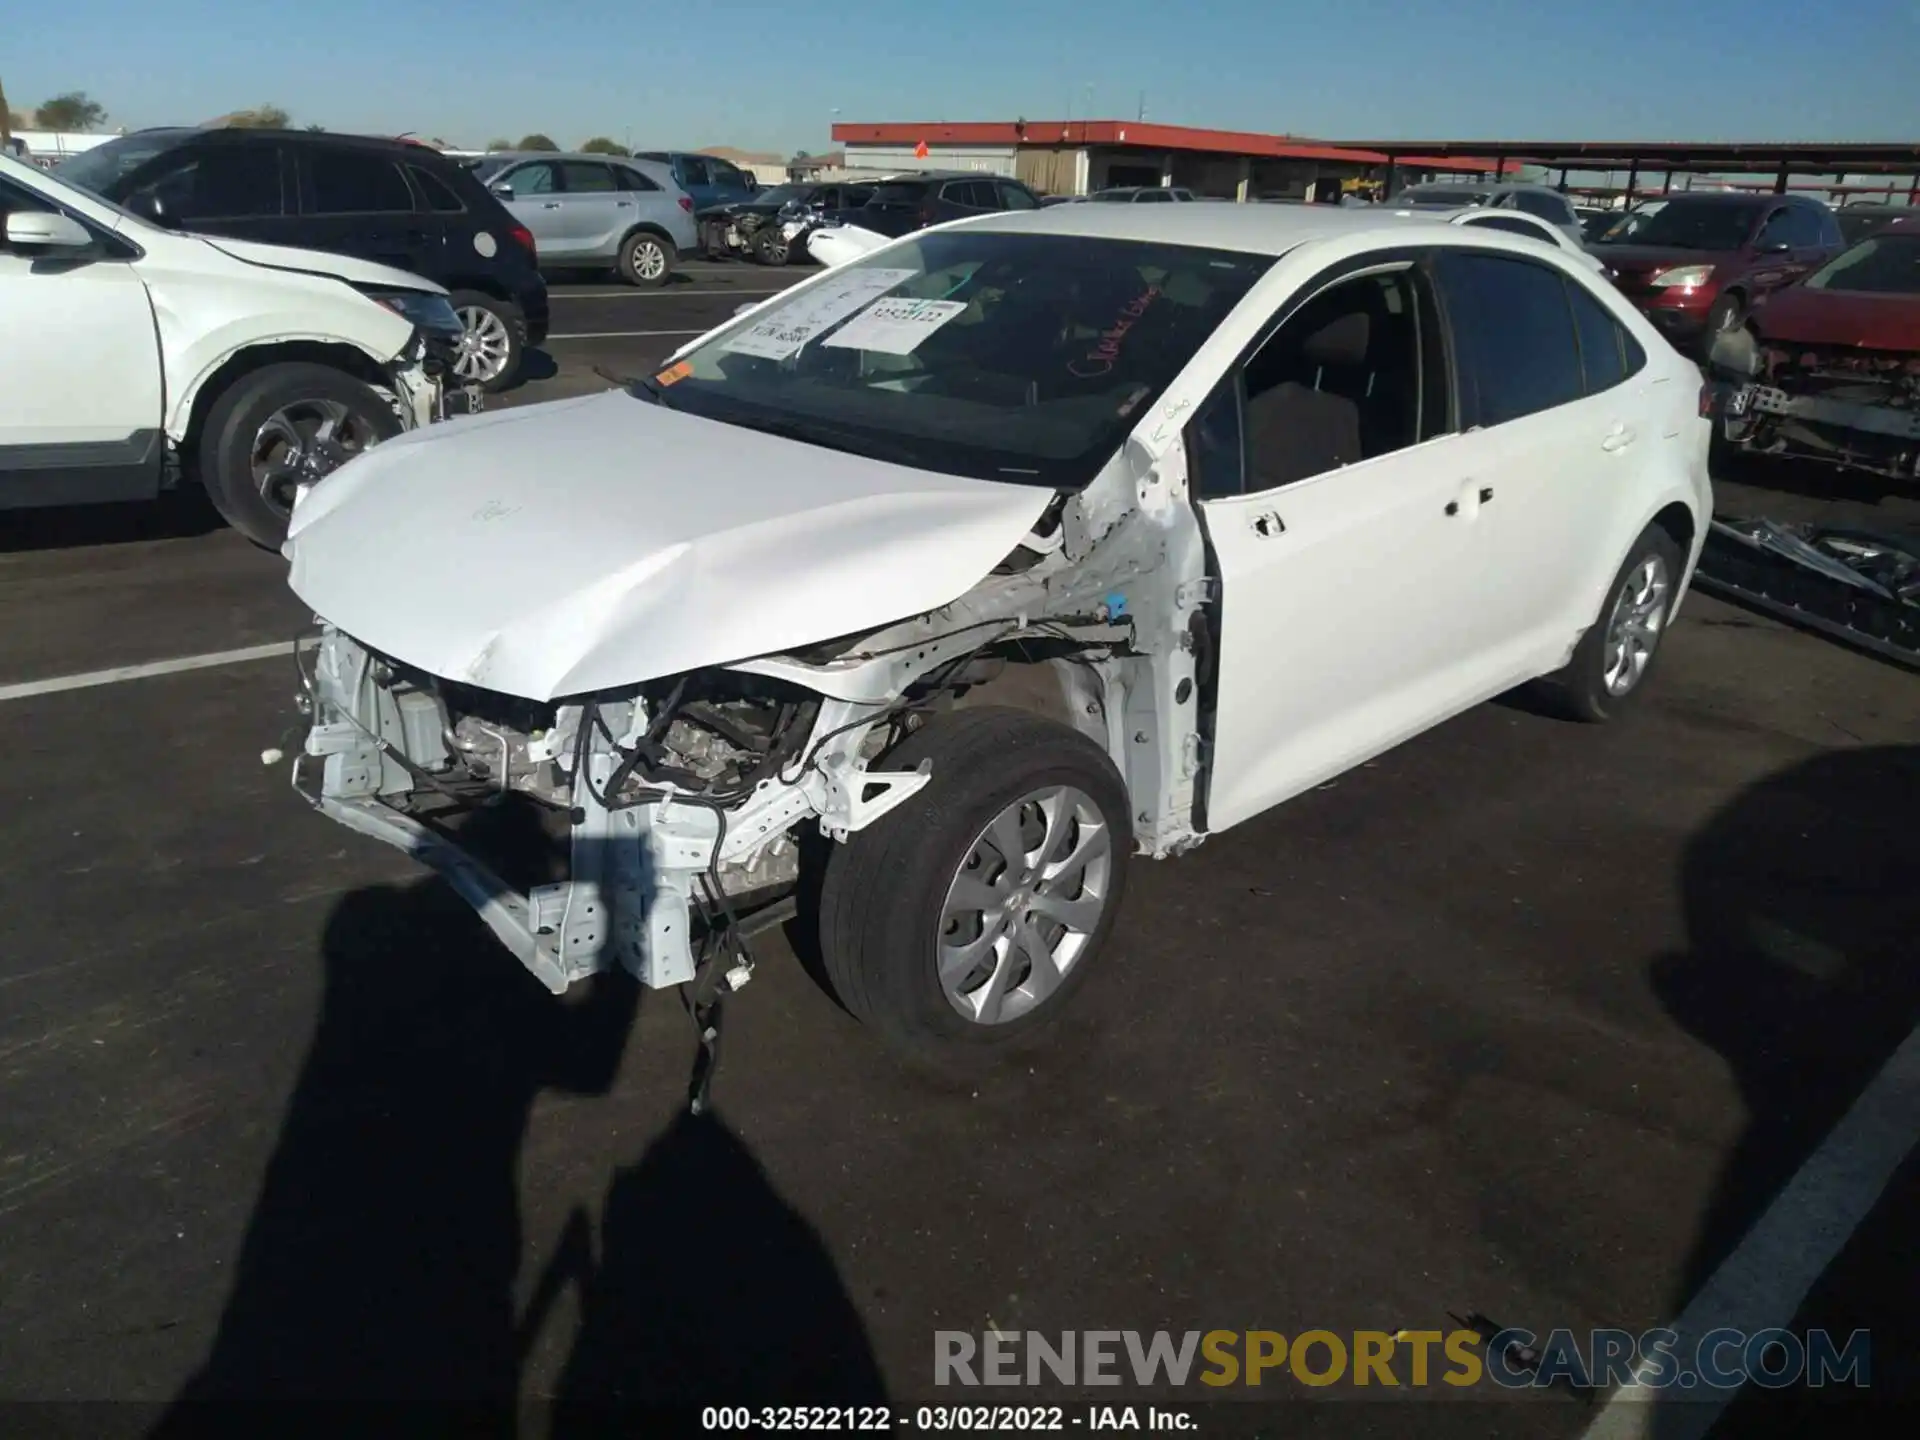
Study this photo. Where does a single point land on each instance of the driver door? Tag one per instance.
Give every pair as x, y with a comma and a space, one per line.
82, 414
1325, 466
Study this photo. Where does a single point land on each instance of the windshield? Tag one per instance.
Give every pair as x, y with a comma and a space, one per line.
1883, 265
1691, 225
999, 355
100, 169
1440, 195
1857, 224
784, 195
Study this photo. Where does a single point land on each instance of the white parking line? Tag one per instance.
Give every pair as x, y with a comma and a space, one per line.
655, 294
1762, 1284
625, 334
91, 678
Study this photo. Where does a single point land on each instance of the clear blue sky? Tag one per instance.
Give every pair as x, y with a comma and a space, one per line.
768, 74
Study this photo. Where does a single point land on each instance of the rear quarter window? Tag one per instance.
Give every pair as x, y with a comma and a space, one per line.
441, 198
351, 182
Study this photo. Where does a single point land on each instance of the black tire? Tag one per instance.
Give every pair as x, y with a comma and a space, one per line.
769, 248
226, 447
882, 896
642, 253
510, 317
1580, 690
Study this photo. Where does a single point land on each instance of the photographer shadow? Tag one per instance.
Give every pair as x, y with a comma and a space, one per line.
709, 1288
377, 1270
1802, 902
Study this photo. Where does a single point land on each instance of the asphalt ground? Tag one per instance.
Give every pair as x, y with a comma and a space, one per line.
1524, 1019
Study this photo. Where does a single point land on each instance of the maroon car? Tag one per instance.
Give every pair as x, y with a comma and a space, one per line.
1829, 369
1699, 261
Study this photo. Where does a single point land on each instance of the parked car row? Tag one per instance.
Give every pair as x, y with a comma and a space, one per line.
139, 357
389, 202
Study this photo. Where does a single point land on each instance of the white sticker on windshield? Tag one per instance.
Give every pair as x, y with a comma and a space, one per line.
894, 327
782, 333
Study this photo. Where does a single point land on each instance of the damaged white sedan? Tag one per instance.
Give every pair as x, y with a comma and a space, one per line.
935, 590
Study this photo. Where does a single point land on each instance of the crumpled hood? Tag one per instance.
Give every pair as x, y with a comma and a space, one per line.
320, 262
1838, 317
581, 545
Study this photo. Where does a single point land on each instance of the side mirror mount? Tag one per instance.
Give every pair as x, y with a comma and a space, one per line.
502, 188
46, 229
148, 205
1773, 247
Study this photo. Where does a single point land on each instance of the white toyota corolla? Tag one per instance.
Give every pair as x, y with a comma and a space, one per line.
936, 590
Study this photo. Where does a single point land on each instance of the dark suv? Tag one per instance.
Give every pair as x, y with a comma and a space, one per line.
389, 201
911, 202
1698, 262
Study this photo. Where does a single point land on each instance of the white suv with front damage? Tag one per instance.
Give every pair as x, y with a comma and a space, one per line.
936, 589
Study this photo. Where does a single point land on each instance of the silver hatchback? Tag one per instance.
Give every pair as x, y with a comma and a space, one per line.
596, 211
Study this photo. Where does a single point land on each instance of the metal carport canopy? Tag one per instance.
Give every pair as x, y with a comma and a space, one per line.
1746, 157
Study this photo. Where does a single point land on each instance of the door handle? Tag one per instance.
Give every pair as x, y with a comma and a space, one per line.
1481, 495
550, 205
623, 204
1268, 524
1486, 493
1618, 438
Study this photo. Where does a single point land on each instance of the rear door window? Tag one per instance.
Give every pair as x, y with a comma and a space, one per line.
633, 180
1016, 197
351, 182
440, 196
1513, 336
586, 177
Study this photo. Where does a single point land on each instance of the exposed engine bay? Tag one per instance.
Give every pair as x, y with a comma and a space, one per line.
1850, 406
654, 826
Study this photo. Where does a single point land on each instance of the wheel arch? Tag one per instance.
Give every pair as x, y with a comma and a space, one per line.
190, 408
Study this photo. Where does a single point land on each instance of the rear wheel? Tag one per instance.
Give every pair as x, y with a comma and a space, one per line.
970, 915
280, 426
1611, 663
492, 339
646, 259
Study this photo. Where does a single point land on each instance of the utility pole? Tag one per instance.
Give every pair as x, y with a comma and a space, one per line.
6, 121
1141, 113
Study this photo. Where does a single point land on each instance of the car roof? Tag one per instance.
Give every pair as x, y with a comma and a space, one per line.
1251, 229
517, 155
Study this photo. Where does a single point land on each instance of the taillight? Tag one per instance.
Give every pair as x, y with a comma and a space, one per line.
686, 203
523, 237
1709, 400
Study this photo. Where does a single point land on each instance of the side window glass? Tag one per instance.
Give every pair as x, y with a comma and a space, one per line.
1541, 206
1513, 335
1216, 453
440, 197
1603, 359
535, 179
1339, 382
1016, 197
346, 182
691, 169
632, 180
235, 184
583, 177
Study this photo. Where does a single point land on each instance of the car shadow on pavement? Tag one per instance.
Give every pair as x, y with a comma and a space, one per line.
1802, 903
175, 515
377, 1277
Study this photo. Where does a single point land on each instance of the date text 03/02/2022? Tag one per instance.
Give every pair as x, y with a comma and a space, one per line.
978, 1419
